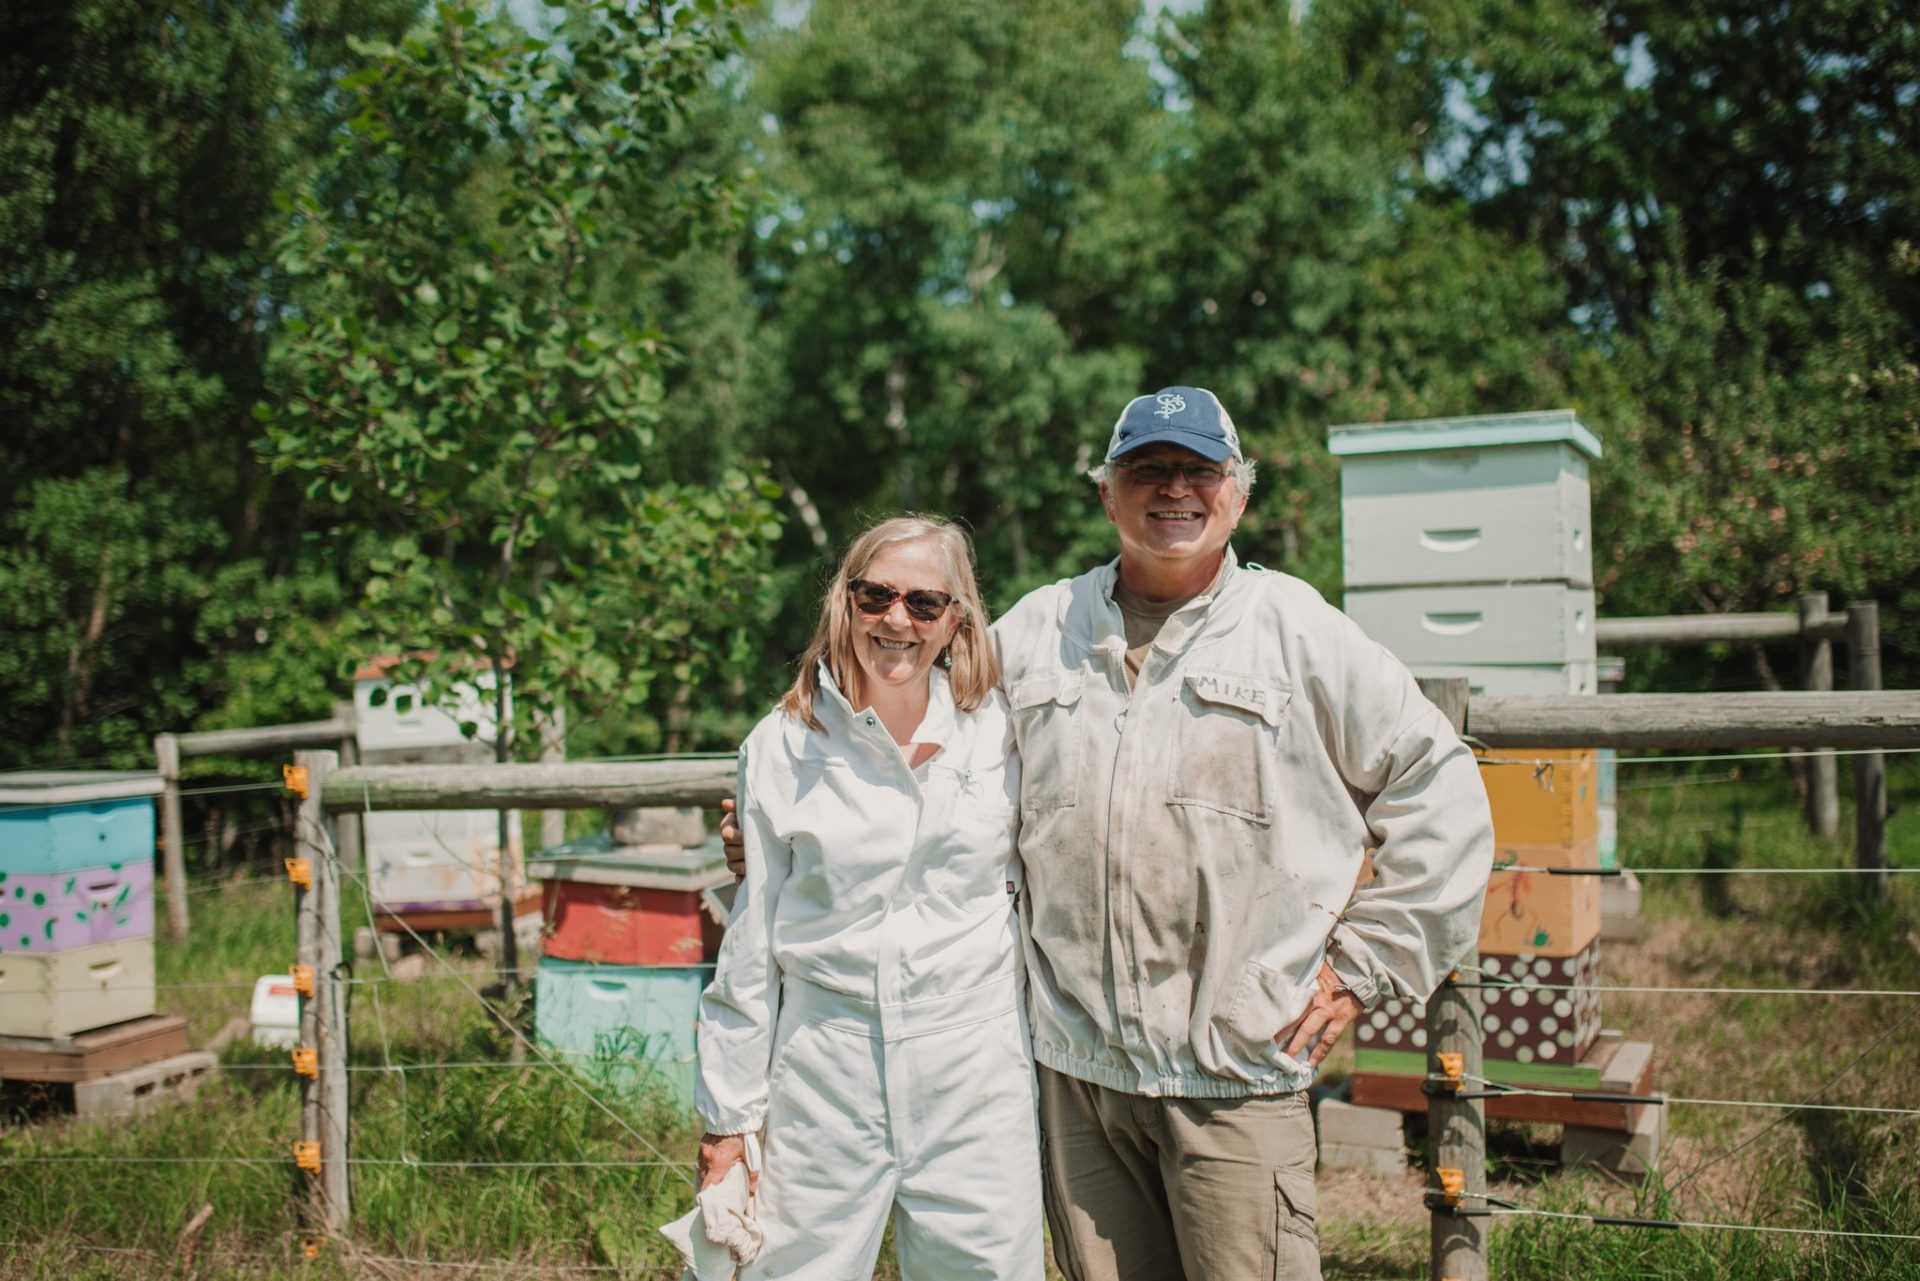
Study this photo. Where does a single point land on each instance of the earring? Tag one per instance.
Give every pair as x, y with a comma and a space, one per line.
946, 658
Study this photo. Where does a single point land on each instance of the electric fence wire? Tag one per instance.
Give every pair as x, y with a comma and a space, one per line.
1622, 1221
324, 843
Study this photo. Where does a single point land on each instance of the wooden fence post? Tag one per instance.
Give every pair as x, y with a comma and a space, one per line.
1869, 768
1456, 1128
553, 749
323, 1016
1816, 673
346, 824
173, 854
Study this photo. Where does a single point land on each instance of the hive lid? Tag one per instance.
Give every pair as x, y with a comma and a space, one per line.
76, 787
1479, 432
650, 867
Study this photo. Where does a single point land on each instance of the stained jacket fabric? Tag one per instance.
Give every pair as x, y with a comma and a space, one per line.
861, 879
1192, 843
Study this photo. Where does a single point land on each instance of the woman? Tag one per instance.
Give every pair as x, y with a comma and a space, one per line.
866, 1010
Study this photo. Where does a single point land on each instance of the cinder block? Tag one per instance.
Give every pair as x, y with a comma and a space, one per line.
1620, 907
1626, 1067
140, 1089
1382, 1161
1356, 1126
1633, 1154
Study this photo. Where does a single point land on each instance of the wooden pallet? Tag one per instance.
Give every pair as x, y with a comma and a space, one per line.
87, 1056
428, 920
1626, 1067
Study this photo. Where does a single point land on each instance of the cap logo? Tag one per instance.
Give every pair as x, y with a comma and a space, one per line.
1170, 404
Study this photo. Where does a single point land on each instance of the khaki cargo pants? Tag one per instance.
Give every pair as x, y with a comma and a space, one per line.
1142, 1189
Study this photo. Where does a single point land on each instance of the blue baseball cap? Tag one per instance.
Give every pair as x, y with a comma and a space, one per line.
1189, 416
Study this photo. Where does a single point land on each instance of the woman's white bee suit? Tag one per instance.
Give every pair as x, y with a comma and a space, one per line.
867, 1006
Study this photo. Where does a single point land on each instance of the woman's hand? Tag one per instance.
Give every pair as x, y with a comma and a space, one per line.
718, 1154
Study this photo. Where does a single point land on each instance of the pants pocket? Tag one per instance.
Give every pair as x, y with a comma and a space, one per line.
1296, 1204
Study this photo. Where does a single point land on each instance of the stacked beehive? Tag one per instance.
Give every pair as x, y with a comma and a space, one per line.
1468, 555
440, 865
76, 901
627, 947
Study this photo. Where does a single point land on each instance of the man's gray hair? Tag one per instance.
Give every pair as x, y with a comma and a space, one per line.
1243, 469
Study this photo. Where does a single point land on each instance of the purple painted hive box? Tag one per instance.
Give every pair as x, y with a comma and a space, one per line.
54, 911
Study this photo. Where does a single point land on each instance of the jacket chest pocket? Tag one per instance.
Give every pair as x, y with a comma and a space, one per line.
1225, 743
1049, 738
968, 834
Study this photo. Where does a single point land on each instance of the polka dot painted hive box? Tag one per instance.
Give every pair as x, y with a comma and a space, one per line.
1541, 1017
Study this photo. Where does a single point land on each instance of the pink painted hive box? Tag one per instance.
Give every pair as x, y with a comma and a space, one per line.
55, 911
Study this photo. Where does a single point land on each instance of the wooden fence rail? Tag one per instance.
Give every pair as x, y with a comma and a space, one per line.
1705, 629
581, 785
1851, 719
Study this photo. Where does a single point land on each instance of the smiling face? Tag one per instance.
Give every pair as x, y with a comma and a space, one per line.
895, 649
1173, 529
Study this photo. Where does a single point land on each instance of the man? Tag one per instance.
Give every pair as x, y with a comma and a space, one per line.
1208, 751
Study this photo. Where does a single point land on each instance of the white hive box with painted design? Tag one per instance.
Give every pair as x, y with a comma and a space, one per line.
389, 716
421, 860
1500, 498
1537, 680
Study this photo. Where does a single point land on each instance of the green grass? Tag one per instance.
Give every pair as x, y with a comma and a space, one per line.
1858, 1173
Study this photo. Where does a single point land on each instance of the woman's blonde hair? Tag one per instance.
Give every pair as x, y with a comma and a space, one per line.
972, 671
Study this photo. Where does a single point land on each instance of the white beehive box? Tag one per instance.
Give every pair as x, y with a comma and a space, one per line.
436, 859
1535, 624
401, 719
53, 994
1535, 680
1495, 499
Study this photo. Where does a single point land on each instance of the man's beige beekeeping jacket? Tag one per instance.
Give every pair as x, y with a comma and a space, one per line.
1192, 845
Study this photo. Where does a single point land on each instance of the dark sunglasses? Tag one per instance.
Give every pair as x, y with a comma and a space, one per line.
1158, 472
923, 603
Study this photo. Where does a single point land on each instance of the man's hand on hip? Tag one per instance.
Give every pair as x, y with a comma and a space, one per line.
1326, 1016
734, 843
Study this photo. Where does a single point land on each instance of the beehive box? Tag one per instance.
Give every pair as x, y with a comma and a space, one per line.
1489, 625
1537, 1032
63, 821
394, 717
1494, 499
629, 1027
53, 994
1542, 796
435, 859
628, 904
1527, 680
1536, 912
52, 911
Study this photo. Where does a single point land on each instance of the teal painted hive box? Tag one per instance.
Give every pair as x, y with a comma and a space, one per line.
66, 821
630, 1027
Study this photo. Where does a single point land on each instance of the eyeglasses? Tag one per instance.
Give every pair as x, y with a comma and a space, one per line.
923, 603
1155, 472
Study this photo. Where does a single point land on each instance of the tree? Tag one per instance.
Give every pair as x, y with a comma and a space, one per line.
453, 374
1329, 286
946, 275
140, 145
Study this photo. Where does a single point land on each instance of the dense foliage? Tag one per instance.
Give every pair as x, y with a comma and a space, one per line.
348, 326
